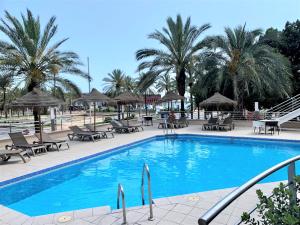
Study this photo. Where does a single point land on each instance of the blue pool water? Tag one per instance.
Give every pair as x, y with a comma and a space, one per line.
179, 165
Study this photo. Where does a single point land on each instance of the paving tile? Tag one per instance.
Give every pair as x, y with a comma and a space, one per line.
83, 213
190, 220
197, 212
105, 220
182, 209
166, 222
174, 217
101, 210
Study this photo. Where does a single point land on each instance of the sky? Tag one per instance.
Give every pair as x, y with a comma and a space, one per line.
109, 32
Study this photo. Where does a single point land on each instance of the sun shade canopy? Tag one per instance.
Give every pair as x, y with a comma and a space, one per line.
171, 96
36, 98
218, 100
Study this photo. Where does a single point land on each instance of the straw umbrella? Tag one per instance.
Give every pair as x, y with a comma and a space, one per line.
94, 96
170, 96
127, 98
36, 99
218, 100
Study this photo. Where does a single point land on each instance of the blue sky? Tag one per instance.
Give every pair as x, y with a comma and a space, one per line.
110, 31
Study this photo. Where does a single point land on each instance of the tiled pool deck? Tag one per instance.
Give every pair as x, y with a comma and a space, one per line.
173, 210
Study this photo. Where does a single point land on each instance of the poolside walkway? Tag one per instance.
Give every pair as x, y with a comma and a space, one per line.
173, 210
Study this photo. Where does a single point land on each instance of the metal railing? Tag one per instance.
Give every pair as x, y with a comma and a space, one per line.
121, 192
146, 169
288, 105
221, 205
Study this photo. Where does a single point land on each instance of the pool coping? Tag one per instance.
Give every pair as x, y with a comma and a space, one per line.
107, 209
118, 148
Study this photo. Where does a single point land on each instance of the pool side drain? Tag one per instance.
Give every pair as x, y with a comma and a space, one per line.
64, 219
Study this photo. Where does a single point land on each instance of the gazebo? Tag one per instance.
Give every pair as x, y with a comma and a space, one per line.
169, 97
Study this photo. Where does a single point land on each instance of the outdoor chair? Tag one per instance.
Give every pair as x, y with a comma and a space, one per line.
6, 155
227, 124
82, 134
212, 124
20, 142
136, 127
103, 133
47, 139
120, 128
182, 122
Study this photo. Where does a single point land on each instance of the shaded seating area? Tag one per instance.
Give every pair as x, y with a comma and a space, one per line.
6, 155
103, 133
55, 144
20, 142
82, 135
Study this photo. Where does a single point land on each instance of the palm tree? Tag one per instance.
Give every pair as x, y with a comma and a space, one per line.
180, 41
165, 83
114, 82
130, 84
5, 83
29, 57
246, 65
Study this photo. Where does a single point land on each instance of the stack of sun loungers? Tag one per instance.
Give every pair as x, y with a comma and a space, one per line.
80, 134
119, 127
48, 140
216, 124
103, 133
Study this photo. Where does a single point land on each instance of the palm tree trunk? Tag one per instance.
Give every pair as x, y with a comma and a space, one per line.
235, 88
4, 101
35, 112
191, 99
180, 80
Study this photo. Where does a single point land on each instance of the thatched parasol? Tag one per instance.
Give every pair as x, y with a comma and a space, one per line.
36, 99
218, 100
94, 96
171, 96
127, 98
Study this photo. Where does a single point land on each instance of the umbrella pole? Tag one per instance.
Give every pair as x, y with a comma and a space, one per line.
90, 113
94, 116
127, 115
40, 125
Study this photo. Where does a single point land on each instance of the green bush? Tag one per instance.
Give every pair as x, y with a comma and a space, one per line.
107, 119
276, 210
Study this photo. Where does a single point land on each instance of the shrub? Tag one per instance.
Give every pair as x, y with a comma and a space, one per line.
276, 210
107, 120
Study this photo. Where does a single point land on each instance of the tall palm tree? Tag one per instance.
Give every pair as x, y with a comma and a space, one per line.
165, 83
114, 82
30, 57
246, 65
130, 84
6, 82
181, 42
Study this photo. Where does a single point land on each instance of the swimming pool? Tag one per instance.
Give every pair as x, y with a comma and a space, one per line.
179, 164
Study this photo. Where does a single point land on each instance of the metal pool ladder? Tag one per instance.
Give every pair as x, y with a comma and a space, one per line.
121, 191
146, 169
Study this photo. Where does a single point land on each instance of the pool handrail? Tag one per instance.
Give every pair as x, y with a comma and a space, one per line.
121, 191
146, 169
222, 204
